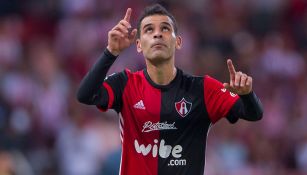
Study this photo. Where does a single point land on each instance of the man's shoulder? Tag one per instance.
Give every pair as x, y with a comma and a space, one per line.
134, 76
198, 77
190, 76
189, 80
130, 73
126, 73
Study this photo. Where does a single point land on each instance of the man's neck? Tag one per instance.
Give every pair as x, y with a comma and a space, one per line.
162, 74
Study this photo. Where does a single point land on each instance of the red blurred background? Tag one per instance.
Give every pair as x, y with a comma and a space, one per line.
47, 46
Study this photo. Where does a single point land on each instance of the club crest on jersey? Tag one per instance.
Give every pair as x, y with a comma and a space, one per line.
183, 107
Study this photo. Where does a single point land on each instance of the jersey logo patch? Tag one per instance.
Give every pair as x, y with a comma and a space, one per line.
139, 105
183, 107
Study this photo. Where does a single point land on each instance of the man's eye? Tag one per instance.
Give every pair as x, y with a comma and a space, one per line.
165, 29
148, 30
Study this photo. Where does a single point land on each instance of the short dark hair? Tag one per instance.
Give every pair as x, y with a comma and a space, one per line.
155, 9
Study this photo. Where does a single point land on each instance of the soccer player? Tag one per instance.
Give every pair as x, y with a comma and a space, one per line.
164, 113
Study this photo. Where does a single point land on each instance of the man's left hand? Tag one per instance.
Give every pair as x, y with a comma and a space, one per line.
240, 83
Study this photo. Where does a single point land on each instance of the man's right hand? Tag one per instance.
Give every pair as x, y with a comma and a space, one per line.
119, 37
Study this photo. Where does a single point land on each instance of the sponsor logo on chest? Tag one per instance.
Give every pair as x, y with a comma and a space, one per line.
150, 126
162, 150
159, 148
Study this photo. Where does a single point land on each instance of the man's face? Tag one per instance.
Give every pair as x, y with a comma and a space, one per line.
158, 40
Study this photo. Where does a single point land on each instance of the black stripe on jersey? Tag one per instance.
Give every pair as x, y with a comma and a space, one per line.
186, 144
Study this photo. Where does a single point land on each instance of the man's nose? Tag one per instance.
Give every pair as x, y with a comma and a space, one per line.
158, 34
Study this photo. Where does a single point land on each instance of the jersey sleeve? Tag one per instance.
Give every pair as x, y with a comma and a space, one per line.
217, 99
113, 87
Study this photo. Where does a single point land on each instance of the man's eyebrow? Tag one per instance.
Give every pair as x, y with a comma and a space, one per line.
164, 23
147, 25
167, 23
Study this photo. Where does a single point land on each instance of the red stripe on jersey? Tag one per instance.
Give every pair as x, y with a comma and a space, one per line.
111, 94
141, 105
218, 100
111, 97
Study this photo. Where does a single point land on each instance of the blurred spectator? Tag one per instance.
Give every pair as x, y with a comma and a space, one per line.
47, 46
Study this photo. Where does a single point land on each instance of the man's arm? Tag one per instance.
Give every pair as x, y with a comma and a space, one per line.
88, 92
91, 90
248, 107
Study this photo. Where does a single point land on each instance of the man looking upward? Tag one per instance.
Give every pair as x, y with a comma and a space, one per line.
165, 114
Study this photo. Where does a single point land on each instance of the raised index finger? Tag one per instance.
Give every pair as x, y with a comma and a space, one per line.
128, 14
231, 68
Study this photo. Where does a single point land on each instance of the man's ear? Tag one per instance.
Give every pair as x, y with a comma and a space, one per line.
138, 45
178, 42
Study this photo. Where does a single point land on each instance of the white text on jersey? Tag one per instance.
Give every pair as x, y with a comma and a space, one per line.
149, 126
164, 150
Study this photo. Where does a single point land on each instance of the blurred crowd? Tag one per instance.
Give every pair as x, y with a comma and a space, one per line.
47, 46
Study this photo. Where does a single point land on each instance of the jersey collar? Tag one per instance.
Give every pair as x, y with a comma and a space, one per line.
163, 87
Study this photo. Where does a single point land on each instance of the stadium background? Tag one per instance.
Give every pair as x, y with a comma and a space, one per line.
46, 47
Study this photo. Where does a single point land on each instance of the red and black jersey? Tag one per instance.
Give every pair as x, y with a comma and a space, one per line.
164, 128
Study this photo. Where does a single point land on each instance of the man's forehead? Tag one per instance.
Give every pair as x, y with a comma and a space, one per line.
156, 19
